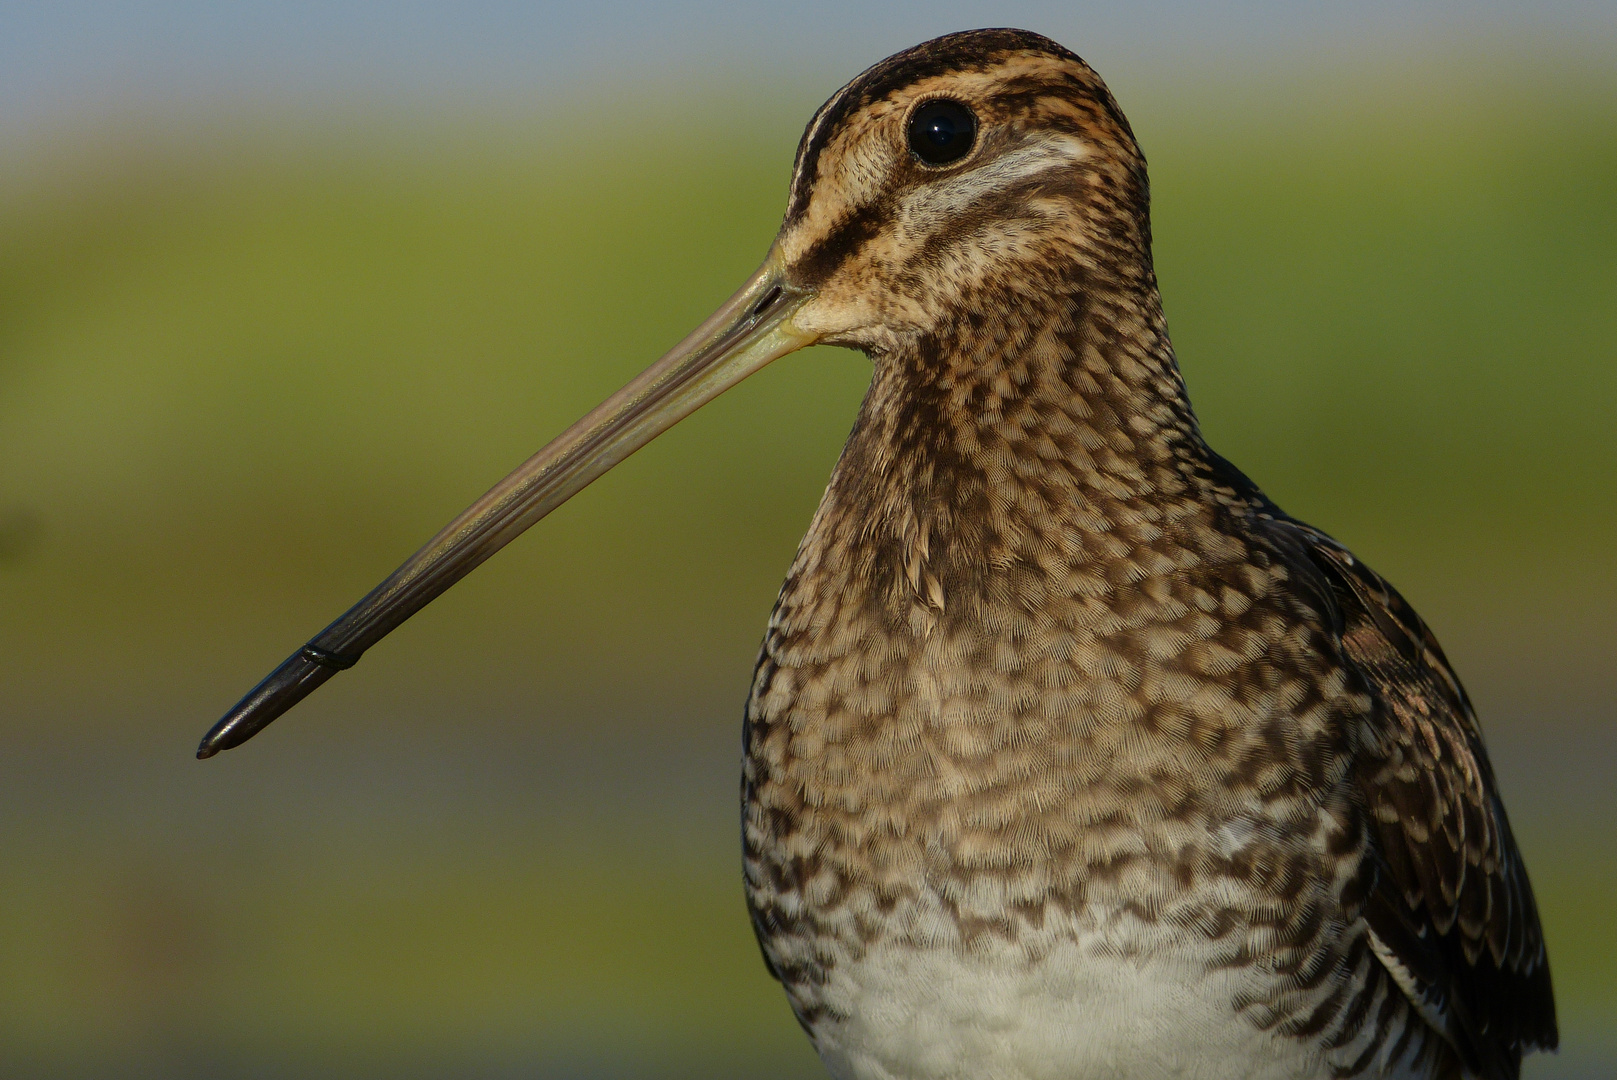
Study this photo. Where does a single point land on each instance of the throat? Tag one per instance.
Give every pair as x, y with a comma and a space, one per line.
991, 457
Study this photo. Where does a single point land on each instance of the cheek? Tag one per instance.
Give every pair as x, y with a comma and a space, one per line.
862, 311
906, 285
970, 261
943, 271
840, 316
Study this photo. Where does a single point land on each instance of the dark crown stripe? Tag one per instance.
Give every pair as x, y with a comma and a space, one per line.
968, 50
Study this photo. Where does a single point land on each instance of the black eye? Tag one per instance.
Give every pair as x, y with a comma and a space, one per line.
942, 131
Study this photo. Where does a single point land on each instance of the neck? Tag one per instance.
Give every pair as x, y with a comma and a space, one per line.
989, 455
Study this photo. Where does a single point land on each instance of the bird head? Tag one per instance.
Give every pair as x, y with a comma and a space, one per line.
971, 176
981, 164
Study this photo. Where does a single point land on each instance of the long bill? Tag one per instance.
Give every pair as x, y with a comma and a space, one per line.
753, 328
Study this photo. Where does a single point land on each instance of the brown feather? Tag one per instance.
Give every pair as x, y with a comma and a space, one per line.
1046, 663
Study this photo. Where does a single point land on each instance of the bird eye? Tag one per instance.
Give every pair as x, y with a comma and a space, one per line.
942, 131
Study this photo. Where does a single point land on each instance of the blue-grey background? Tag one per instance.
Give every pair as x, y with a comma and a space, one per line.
284, 286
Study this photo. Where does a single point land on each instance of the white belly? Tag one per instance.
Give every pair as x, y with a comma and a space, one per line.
1075, 1014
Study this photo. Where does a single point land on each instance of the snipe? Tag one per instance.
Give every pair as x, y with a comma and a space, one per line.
1069, 754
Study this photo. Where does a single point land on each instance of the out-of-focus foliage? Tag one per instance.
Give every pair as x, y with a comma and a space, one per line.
242, 376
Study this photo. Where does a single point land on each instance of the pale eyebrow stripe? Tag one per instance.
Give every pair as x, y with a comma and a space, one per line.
814, 132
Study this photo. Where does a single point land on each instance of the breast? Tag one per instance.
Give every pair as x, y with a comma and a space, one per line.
1115, 737
1015, 756
1025, 838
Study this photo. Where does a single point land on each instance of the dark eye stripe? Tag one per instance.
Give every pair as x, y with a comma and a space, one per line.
843, 242
942, 131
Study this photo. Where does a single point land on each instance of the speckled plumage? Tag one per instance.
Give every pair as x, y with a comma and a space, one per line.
1068, 753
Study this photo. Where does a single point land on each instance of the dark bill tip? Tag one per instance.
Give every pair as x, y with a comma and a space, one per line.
299, 676
751, 329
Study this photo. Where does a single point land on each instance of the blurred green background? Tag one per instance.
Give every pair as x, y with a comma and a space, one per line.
247, 365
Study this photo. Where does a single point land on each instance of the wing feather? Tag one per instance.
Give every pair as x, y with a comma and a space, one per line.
1451, 912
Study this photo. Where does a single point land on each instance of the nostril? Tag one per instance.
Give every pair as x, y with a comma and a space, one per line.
768, 301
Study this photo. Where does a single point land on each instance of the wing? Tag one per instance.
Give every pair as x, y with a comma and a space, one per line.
1451, 913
